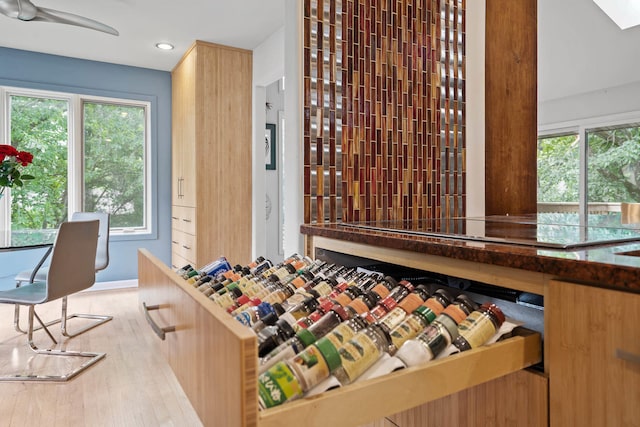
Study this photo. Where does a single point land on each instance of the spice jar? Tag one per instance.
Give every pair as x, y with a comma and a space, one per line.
405, 306
479, 327
438, 335
361, 352
305, 337
272, 336
290, 379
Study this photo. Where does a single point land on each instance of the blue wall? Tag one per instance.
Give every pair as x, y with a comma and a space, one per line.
49, 72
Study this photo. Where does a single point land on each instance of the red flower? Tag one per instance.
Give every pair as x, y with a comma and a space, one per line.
7, 150
11, 160
24, 157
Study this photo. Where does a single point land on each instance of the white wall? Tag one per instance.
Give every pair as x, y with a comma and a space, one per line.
605, 102
273, 184
268, 66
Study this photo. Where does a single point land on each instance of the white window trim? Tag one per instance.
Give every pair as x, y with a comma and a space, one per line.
75, 150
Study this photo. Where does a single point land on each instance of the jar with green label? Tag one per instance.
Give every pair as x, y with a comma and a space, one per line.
434, 339
289, 380
305, 337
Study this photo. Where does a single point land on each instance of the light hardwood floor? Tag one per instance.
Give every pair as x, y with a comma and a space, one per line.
132, 386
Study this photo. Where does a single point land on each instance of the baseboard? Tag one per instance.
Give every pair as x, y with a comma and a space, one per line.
118, 284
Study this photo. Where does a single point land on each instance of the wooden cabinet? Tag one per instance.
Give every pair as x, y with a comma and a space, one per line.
215, 359
595, 356
211, 155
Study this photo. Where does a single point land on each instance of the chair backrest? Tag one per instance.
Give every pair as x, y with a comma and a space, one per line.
73, 258
102, 252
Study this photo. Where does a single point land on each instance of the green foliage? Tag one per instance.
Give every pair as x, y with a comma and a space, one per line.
113, 174
40, 126
114, 162
558, 169
613, 166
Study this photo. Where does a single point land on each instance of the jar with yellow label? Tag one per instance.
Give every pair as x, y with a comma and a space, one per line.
361, 352
479, 327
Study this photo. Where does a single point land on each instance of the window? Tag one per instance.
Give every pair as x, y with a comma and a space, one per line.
558, 169
592, 166
90, 154
613, 161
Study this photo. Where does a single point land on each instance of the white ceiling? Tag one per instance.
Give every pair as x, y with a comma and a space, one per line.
143, 23
579, 48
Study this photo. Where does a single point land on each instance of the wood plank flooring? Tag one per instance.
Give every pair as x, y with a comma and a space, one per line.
132, 386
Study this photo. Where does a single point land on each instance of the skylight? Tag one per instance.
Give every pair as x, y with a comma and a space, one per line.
625, 13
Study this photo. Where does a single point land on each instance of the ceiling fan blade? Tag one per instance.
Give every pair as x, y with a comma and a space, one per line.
50, 15
10, 8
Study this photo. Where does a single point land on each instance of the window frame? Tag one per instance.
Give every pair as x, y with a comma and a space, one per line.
75, 150
581, 127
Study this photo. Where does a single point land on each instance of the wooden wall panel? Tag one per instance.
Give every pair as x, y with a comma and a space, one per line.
511, 107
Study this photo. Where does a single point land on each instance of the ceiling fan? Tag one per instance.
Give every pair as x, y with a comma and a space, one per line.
24, 10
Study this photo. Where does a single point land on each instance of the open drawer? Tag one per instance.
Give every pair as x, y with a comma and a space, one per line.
215, 359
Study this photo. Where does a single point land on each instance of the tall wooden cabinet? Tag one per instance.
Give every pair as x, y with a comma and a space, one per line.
211, 155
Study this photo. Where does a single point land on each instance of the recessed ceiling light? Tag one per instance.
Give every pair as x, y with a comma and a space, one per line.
625, 13
164, 46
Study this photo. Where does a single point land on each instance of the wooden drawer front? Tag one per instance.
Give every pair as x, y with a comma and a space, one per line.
594, 347
409, 388
184, 245
213, 356
184, 219
518, 399
178, 261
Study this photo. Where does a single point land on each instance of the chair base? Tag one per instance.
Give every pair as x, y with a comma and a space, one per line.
100, 319
93, 358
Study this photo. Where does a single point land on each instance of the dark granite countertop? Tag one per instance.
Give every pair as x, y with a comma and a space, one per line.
599, 263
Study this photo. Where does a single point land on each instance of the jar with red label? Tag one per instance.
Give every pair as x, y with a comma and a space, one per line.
405, 306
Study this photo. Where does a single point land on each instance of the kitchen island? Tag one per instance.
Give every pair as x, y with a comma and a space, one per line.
588, 276
589, 373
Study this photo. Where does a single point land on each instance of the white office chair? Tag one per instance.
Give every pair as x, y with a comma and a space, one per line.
72, 269
39, 274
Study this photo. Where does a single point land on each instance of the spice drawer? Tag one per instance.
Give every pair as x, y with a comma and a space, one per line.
215, 359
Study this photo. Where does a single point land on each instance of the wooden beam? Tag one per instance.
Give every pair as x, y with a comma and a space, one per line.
511, 107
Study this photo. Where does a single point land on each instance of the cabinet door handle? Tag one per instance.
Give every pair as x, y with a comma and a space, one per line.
186, 220
628, 357
160, 332
186, 247
175, 217
174, 242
